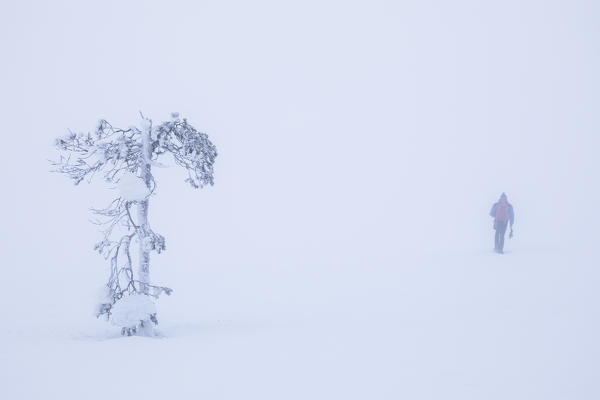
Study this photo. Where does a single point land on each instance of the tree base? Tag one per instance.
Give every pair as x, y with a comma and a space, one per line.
144, 328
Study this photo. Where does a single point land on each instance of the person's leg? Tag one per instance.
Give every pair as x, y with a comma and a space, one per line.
496, 237
501, 232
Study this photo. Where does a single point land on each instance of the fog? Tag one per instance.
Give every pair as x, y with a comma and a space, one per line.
354, 138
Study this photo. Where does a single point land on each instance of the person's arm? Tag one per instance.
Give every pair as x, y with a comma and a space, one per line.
511, 212
493, 210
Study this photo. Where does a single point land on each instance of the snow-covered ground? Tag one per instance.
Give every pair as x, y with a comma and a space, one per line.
452, 326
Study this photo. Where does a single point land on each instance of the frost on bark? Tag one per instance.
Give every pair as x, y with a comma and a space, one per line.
124, 157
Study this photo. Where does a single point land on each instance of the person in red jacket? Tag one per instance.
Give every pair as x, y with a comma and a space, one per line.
503, 213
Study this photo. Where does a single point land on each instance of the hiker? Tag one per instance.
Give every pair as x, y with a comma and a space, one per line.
503, 213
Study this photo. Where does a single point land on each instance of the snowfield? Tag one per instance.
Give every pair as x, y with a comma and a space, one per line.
445, 326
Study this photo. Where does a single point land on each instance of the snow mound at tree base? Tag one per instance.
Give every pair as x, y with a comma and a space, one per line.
131, 310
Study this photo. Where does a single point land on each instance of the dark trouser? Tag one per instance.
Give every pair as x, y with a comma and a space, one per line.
500, 228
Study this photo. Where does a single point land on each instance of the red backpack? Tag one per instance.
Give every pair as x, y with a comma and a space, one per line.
502, 212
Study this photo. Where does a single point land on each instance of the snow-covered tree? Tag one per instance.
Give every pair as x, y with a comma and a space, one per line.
124, 157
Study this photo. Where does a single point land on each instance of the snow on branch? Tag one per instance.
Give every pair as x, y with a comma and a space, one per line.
108, 149
191, 149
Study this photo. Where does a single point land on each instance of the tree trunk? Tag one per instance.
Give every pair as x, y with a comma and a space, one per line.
146, 176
